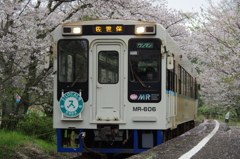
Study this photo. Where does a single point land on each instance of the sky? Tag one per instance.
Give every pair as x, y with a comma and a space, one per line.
189, 5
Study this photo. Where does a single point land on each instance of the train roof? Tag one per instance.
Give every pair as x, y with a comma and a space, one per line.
179, 56
103, 21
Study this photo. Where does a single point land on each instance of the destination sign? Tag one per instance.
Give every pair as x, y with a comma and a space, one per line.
144, 45
108, 29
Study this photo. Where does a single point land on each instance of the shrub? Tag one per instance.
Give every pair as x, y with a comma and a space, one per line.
200, 118
39, 126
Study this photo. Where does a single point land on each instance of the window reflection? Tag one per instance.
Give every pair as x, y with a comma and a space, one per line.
145, 64
73, 60
108, 63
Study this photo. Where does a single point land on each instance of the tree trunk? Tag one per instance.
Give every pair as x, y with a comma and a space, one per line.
238, 114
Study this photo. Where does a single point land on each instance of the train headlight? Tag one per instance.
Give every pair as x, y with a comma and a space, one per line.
145, 29
72, 30
140, 30
77, 30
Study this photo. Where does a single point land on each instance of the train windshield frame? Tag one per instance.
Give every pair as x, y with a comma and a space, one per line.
144, 70
73, 59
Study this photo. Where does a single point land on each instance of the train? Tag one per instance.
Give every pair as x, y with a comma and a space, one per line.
120, 86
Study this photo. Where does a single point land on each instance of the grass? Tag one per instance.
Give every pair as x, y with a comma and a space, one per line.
12, 143
9, 142
200, 118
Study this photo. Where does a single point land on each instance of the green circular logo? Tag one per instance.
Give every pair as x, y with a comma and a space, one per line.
71, 104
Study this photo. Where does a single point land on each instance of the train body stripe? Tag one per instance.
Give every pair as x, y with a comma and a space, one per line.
179, 95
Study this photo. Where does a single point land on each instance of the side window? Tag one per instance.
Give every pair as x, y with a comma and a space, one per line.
186, 83
108, 67
179, 80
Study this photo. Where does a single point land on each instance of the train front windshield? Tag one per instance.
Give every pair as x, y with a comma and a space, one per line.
73, 66
73, 60
144, 60
144, 70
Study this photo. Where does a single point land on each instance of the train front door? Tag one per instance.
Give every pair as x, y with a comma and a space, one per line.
108, 80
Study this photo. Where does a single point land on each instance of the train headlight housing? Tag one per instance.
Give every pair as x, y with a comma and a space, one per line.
140, 30
72, 30
77, 30
145, 29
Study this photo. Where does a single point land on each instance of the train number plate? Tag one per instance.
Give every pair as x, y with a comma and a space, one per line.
145, 109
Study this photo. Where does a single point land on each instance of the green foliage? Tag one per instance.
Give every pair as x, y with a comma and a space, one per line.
207, 110
200, 118
228, 79
204, 110
13, 142
200, 101
46, 146
188, 17
8, 142
38, 126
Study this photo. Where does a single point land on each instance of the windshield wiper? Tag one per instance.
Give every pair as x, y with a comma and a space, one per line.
137, 77
75, 81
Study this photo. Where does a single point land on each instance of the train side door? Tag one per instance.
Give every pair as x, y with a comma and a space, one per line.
107, 83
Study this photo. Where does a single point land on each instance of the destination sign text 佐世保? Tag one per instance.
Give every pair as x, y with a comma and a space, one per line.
108, 29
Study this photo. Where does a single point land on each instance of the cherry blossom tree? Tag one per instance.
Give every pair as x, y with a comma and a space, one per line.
215, 45
25, 36
24, 39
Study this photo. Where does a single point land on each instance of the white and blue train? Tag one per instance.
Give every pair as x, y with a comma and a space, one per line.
121, 86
